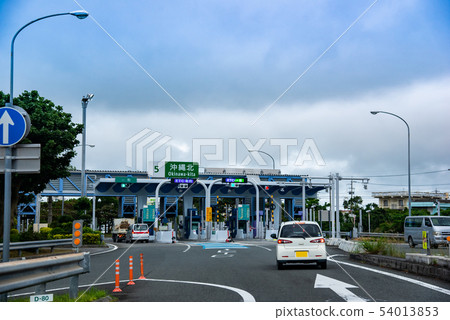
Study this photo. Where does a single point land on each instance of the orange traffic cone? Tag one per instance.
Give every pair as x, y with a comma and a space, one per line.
117, 288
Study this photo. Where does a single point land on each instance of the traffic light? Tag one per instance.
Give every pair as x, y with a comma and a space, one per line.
77, 233
125, 185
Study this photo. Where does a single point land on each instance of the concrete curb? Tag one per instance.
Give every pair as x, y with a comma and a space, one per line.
345, 245
428, 260
430, 266
404, 265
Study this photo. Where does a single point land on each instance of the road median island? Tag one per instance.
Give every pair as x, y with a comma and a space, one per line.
416, 267
421, 264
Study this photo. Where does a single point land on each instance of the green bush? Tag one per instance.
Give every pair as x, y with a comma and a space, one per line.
45, 233
91, 238
32, 236
374, 246
87, 230
61, 236
14, 235
67, 227
57, 230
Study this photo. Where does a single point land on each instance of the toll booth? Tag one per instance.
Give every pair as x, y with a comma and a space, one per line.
192, 224
170, 205
234, 224
26, 213
127, 207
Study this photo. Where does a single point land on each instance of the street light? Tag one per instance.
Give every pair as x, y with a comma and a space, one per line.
409, 155
273, 160
8, 150
84, 102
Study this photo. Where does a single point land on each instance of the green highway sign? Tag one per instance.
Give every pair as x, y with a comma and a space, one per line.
244, 212
175, 169
125, 179
148, 213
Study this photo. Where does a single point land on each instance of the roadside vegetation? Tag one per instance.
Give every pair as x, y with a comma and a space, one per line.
91, 295
381, 246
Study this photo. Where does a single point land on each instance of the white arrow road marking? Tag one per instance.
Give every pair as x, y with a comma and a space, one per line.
225, 254
6, 121
339, 287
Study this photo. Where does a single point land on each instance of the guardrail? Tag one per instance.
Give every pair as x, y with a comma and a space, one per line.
343, 234
21, 274
26, 245
380, 235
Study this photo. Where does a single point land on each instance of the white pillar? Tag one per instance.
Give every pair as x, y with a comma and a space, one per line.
256, 208
338, 223
303, 198
332, 207
157, 200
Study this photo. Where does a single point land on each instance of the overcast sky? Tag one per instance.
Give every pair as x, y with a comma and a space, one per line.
275, 75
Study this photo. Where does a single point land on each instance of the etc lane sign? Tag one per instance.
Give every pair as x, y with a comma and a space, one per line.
13, 126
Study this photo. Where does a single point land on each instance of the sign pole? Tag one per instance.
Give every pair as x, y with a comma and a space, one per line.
7, 204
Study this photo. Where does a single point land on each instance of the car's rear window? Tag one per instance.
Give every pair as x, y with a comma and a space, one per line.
141, 227
300, 231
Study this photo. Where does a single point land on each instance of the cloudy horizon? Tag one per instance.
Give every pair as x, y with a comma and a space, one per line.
249, 72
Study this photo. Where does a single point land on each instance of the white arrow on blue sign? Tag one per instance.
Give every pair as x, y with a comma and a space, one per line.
13, 126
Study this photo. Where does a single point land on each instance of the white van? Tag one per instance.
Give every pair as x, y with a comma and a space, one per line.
438, 228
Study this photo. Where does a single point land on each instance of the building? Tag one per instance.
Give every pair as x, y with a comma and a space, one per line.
431, 201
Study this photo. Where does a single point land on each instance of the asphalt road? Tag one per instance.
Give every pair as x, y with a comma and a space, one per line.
247, 271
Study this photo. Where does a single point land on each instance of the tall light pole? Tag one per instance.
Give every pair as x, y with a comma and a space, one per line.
409, 154
273, 160
84, 102
8, 150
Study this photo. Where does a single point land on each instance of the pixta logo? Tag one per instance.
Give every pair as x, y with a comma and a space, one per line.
148, 151
141, 150
308, 153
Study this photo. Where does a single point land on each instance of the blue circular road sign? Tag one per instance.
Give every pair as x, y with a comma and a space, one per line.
13, 126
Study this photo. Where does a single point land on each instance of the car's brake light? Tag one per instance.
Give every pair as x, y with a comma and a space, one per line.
321, 240
282, 241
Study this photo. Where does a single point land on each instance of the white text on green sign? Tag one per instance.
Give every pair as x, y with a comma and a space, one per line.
125, 179
181, 170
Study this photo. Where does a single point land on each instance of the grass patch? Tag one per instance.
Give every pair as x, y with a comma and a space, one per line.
381, 246
91, 295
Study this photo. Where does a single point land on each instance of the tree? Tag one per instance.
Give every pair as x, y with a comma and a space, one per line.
106, 211
57, 134
311, 203
354, 204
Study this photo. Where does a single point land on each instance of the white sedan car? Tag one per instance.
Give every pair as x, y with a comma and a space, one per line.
300, 242
137, 232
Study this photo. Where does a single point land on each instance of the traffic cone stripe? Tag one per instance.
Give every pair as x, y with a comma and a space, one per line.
117, 284
142, 266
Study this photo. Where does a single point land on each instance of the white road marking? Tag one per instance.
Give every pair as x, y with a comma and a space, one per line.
112, 246
339, 287
417, 282
246, 297
225, 254
254, 245
184, 244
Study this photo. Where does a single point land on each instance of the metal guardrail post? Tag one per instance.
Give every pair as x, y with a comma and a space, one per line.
73, 290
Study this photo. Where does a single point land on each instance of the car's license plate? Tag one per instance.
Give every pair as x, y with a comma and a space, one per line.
301, 254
